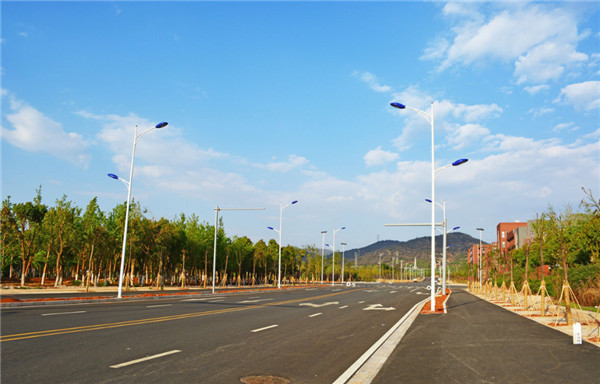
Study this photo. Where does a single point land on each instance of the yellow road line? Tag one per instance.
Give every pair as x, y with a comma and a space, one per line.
96, 327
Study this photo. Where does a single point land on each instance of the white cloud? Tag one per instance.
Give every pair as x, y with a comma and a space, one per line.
540, 40
467, 134
165, 146
537, 112
546, 62
378, 156
35, 132
448, 116
536, 89
570, 126
293, 162
583, 96
372, 81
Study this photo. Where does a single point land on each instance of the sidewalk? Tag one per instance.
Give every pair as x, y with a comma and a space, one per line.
479, 342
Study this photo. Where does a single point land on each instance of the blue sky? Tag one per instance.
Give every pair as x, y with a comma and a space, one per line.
269, 102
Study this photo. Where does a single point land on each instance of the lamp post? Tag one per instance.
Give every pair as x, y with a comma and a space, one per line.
343, 252
281, 208
128, 183
322, 253
445, 225
333, 256
430, 118
480, 263
217, 209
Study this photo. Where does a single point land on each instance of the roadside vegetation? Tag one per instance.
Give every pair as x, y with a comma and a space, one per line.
563, 256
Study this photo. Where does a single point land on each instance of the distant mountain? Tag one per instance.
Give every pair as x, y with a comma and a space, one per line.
408, 250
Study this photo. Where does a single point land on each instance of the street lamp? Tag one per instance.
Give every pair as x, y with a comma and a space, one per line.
343, 250
281, 208
429, 118
445, 225
128, 183
480, 263
333, 256
322, 253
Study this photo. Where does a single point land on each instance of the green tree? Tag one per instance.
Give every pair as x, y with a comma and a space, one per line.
28, 217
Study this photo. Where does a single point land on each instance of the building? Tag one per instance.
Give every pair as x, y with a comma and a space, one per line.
505, 233
473, 257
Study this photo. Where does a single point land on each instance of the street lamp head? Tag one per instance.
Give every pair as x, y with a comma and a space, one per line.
271, 228
294, 202
398, 105
480, 229
428, 200
323, 231
113, 176
459, 162
343, 228
327, 245
161, 125
455, 228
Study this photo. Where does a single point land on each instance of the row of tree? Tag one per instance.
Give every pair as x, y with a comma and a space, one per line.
562, 255
63, 243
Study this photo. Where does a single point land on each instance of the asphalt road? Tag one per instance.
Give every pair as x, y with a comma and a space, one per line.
306, 335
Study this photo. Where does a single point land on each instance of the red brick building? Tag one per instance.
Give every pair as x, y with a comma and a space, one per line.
506, 237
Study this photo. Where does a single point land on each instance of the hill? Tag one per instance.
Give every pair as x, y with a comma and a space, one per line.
419, 247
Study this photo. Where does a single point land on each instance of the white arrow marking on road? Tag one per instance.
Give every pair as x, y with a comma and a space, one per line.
254, 301
320, 305
378, 307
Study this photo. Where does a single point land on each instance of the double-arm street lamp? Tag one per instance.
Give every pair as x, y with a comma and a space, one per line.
480, 262
281, 208
445, 225
333, 255
343, 252
430, 118
128, 183
322, 253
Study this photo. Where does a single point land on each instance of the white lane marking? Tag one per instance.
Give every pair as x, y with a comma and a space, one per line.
158, 305
369, 367
145, 359
378, 307
319, 305
393, 291
345, 306
254, 301
205, 299
360, 302
62, 313
265, 328
335, 290
316, 314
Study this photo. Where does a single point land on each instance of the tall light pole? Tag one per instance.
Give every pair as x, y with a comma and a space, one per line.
322, 253
333, 256
430, 118
343, 251
445, 225
128, 183
281, 208
217, 209
480, 262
